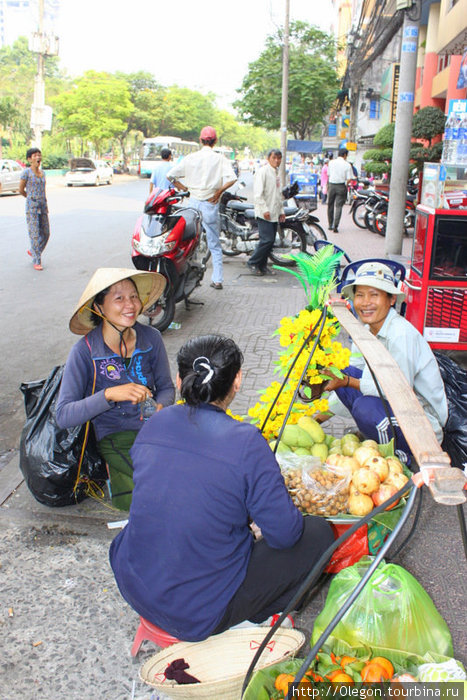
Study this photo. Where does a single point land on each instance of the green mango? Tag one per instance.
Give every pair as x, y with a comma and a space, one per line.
282, 448
312, 427
320, 450
302, 450
294, 436
329, 439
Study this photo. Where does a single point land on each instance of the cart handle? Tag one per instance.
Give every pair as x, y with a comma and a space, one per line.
412, 286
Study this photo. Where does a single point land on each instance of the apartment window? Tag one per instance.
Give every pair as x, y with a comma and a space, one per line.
374, 109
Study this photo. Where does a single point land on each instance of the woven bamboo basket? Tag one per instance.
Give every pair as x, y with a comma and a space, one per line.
220, 662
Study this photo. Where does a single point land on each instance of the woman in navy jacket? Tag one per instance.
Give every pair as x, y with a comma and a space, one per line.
187, 560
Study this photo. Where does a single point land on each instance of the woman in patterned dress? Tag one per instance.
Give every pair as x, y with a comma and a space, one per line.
32, 186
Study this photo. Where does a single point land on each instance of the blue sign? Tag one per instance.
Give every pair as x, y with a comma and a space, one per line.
304, 146
332, 130
308, 183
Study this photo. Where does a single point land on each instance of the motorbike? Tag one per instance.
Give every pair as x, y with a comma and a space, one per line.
169, 238
239, 228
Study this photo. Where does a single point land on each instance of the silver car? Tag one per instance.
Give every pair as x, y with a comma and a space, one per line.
10, 173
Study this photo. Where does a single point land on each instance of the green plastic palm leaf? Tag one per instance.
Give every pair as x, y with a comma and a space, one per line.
316, 273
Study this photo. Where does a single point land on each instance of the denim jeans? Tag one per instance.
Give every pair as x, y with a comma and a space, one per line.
267, 235
211, 223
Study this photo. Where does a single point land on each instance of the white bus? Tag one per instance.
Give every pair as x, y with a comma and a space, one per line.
150, 151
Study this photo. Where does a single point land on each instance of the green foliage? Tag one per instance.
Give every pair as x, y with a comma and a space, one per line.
317, 274
427, 123
420, 155
385, 136
96, 109
313, 82
378, 154
55, 161
185, 112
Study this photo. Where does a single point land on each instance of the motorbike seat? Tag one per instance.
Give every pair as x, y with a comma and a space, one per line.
238, 206
290, 211
192, 220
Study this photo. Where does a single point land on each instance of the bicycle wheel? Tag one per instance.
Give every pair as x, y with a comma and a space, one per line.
289, 239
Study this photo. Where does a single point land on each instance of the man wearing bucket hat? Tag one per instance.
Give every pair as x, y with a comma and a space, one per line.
118, 366
206, 174
374, 294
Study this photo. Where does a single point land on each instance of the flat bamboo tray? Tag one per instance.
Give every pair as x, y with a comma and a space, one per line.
220, 662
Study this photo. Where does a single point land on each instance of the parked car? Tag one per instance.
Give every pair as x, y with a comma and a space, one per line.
10, 173
87, 171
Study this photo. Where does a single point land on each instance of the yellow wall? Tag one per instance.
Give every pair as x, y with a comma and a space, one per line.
439, 86
452, 32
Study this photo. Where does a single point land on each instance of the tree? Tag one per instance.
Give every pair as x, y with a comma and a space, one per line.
96, 109
9, 117
18, 68
313, 81
428, 124
378, 160
185, 112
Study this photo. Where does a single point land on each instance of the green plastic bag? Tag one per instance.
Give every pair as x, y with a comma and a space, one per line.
392, 611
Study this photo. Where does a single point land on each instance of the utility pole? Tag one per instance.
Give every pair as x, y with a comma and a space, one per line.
403, 128
285, 90
44, 45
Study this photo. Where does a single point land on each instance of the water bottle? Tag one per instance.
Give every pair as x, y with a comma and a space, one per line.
147, 409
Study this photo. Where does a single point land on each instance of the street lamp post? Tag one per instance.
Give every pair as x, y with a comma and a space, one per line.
44, 45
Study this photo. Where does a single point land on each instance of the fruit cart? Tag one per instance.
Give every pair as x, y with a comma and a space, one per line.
446, 483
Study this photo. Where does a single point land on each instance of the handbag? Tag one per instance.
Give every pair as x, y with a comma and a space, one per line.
61, 466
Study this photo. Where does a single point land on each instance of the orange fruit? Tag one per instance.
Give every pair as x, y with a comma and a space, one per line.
341, 677
344, 660
282, 682
386, 664
374, 673
336, 672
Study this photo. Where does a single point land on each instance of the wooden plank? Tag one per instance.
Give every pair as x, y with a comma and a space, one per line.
410, 415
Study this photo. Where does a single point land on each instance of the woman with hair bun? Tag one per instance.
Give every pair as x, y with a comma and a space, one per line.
187, 560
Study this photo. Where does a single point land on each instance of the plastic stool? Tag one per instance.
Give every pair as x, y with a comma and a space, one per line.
147, 630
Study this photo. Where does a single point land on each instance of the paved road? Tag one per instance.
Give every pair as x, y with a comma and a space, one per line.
69, 632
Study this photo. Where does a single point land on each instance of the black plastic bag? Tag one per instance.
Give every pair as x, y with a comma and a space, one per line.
49, 455
455, 430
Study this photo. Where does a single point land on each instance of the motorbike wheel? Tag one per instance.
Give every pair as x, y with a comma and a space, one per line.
162, 312
369, 219
358, 215
226, 242
289, 239
314, 232
380, 225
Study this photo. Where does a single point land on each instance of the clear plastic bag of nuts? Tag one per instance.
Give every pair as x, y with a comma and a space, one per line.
316, 489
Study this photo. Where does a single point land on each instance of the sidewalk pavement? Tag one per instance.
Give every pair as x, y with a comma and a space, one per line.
67, 632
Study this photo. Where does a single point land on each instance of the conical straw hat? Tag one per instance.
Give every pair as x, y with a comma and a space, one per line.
150, 286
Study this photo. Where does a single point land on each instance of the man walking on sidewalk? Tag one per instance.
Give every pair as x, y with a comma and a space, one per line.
339, 173
269, 210
206, 174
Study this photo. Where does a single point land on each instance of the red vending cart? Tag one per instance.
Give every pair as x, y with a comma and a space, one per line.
436, 284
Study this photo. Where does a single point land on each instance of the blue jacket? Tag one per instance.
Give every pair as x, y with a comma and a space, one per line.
149, 365
199, 475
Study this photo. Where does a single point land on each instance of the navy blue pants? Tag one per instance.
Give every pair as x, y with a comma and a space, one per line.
369, 414
267, 235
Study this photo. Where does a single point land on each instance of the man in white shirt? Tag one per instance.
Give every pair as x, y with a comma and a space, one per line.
269, 210
339, 174
206, 174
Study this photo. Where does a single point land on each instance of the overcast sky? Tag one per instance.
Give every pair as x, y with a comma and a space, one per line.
205, 45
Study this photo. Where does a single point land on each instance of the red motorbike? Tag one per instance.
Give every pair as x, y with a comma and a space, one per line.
169, 238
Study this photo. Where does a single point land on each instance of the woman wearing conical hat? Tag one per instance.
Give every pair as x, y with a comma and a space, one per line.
115, 368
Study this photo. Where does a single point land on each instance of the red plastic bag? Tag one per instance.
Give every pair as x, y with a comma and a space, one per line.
350, 551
